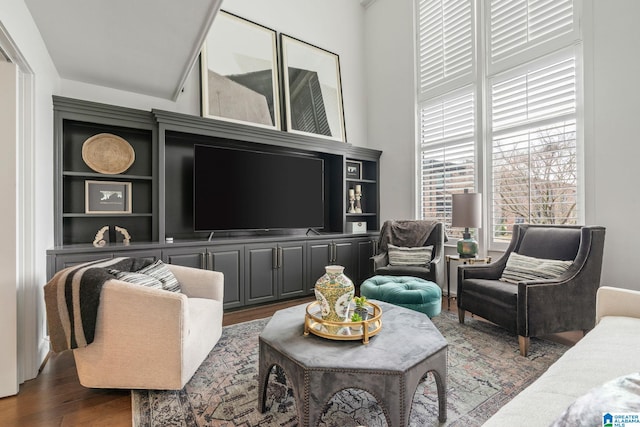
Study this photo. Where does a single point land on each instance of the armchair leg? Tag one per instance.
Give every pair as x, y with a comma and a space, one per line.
461, 312
524, 345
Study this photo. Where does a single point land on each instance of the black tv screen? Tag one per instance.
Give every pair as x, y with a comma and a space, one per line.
238, 189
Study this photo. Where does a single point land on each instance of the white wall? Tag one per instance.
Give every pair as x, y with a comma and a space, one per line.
334, 25
18, 24
389, 69
612, 67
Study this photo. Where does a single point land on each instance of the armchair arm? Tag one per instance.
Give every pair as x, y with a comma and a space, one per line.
138, 329
612, 301
380, 260
197, 283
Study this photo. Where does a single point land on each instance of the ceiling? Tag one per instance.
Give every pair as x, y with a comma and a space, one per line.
142, 46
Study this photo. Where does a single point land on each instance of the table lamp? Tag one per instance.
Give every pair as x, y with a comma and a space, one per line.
467, 213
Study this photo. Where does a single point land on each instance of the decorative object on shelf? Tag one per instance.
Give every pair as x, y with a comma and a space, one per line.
126, 237
312, 90
467, 213
107, 153
356, 227
352, 199
358, 198
334, 292
344, 330
107, 197
102, 237
239, 72
354, 169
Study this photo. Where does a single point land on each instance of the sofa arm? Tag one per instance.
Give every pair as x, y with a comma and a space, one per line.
197, 283
380, 260
612, 301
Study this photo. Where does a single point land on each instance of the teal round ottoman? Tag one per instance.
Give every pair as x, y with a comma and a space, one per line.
410, 292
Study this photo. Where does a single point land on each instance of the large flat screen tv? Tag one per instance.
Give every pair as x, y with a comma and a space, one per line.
236, 189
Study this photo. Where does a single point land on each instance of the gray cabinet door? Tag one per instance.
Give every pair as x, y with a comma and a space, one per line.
344, 255
228, 261
292, 269
225, 259
260, 273
186, 257
150, 254
365, 250
319, 256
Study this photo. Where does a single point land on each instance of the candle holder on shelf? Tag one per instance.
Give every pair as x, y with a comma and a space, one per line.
352, 199
358, 194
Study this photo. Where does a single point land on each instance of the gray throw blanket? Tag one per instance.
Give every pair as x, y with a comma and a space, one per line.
405, 233
72, 297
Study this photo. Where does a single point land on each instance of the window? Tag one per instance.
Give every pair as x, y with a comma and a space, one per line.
501, 120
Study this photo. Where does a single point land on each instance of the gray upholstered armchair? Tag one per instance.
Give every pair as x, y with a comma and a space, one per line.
538, 307
412, 233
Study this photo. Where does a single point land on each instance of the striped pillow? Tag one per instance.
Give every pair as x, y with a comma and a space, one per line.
137, 278
522, 268
409, 256
161, 271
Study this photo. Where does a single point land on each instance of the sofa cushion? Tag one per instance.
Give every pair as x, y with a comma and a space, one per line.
137, 278
521, 268
418, 256
619, 396
161, 271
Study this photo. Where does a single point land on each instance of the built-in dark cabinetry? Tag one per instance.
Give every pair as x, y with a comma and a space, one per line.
227, 259
258, 266
75, 122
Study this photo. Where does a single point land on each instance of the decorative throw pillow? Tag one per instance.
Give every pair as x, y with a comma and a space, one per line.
522, 268
137, 278
161, 271
618, 396
409, 256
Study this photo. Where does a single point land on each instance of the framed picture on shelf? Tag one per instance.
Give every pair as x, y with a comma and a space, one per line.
239, 72
107, 197
312, 90
354, 170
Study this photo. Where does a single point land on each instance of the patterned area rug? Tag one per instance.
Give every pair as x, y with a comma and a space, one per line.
485, 371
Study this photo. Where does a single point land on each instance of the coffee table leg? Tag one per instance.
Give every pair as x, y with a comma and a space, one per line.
440, 375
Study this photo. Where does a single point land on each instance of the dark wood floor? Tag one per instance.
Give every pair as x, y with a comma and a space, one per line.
56, 398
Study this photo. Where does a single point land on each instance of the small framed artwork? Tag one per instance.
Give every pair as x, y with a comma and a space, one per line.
107, 197
312, 90
239, 72
354, 170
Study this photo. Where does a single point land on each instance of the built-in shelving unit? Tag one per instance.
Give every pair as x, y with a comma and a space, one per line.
162, 201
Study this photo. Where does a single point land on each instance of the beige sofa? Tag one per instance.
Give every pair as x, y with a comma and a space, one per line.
153, 339
608, 351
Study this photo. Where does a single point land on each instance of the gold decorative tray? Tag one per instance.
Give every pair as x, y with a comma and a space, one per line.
107, 153
342, 331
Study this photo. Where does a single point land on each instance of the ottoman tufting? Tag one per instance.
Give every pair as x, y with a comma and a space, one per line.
410, 292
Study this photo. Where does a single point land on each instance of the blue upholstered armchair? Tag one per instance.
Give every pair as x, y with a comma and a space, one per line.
538, 306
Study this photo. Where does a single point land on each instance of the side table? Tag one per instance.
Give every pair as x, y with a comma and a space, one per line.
470, 261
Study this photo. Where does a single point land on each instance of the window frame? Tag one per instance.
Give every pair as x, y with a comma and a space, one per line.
485, 69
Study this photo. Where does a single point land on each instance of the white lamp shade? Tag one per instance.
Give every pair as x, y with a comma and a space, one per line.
467, 210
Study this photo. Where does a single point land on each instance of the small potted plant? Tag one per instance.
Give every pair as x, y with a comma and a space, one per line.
361, 307
356, 318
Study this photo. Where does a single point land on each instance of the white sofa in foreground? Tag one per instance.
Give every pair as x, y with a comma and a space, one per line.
609, 351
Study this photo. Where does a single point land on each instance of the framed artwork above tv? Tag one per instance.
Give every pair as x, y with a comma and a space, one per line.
239, 72
312, 90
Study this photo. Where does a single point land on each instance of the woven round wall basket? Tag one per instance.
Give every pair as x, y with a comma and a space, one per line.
107, 153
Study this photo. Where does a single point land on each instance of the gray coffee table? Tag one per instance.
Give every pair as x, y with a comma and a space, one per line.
390, 367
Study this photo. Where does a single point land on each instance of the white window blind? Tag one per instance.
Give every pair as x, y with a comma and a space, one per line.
534, 150
447, 154
517, 25
445, 41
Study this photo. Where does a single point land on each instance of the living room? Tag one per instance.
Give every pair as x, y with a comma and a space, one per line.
375, 45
